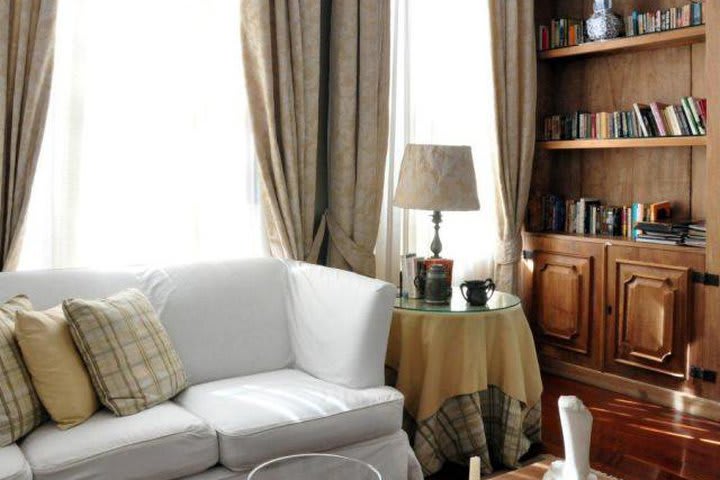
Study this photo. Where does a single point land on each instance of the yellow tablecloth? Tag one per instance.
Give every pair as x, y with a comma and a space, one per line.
471, 383
438, 356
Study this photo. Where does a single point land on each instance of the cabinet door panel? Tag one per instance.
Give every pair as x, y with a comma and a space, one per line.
652, 317
563, 299
650, 335
562, 296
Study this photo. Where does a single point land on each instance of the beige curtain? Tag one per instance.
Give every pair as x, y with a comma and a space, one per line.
27, 36
512, 27
281, 54
357, 130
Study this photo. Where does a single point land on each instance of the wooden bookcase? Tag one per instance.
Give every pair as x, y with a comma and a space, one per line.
621, 314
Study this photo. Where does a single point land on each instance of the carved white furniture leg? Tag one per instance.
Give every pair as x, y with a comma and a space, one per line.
576, 422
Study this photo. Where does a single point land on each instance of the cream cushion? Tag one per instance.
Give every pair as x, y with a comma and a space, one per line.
267, 415
58, 373
13, 465
20, 407
162, 442
131, 361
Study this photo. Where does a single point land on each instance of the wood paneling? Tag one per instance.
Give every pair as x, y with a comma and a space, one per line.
711, 335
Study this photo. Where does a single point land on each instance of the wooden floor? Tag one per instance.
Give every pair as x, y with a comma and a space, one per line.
631, 439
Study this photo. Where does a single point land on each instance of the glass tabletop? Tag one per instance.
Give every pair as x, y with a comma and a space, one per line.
325, 466
499, 301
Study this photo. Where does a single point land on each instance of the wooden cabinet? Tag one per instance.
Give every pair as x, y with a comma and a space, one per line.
563, 295
651, 302
617, 307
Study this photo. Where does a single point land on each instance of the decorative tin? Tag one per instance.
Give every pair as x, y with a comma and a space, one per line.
437, 285
604, 24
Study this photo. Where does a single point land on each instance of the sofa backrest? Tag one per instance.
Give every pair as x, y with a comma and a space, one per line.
225, 318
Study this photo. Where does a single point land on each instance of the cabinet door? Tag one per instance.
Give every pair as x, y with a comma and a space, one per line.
562, 294
650, 328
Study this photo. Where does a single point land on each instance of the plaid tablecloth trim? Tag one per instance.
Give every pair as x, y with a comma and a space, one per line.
489, 424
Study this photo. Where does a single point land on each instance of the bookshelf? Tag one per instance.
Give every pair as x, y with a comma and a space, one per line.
671, 38
625, 315
656, 142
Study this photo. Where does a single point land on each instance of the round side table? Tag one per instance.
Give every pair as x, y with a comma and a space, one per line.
461, 368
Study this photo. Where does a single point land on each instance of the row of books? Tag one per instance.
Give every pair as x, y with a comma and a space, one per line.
650, 223
639, 23
562, 32
661, 120
689, 117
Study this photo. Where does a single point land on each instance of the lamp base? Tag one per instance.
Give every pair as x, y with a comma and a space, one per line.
436, 245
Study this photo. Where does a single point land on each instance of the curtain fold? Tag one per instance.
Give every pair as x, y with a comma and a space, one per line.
514, 71
359, 79
27, 37
281, 51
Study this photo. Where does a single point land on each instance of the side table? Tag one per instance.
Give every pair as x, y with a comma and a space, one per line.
470, 377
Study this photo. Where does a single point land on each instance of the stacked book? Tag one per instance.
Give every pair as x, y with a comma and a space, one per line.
689, 117
562, 32
696, 235
664, 233
640, 23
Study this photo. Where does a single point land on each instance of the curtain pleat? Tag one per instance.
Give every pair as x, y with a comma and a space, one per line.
27, 38
514, 71
357, 130
281, 52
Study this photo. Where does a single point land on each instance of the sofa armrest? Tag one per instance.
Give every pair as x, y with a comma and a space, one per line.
339, 324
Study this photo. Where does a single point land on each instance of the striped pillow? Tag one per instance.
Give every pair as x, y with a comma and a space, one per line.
20, 407
127, 351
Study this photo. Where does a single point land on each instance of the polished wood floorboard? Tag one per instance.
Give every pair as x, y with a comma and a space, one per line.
632, 439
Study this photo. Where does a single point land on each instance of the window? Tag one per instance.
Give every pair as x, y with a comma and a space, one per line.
148, 154
441, 93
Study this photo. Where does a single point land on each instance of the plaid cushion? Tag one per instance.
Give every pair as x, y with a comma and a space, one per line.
127, 351
20, 407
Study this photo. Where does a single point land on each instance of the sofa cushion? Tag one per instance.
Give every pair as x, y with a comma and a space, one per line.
162, 442
262, 416
237, 306
20, 407
129, 356
58, 373
13, 465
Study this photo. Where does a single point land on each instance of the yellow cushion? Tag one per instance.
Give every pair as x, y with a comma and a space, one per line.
57, 370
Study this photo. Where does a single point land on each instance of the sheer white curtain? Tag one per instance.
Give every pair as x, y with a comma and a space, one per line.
147, 155
441, 93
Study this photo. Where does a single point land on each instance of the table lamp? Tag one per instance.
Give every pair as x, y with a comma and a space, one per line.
437, 178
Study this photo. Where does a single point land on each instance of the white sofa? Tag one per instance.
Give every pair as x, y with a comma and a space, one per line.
282, 357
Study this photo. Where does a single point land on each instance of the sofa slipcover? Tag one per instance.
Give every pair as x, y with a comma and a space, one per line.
163, 442
13, 465
267, 415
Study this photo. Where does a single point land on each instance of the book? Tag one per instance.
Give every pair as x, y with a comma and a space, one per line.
657, 109
642, 111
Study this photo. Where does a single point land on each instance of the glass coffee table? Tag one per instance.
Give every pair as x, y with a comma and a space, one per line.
326, 466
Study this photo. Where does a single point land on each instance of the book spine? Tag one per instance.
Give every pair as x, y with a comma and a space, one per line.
692, 105
658, 119
689, 116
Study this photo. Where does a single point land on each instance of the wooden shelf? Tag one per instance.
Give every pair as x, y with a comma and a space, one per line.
669, 38
693, 141
608, 240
